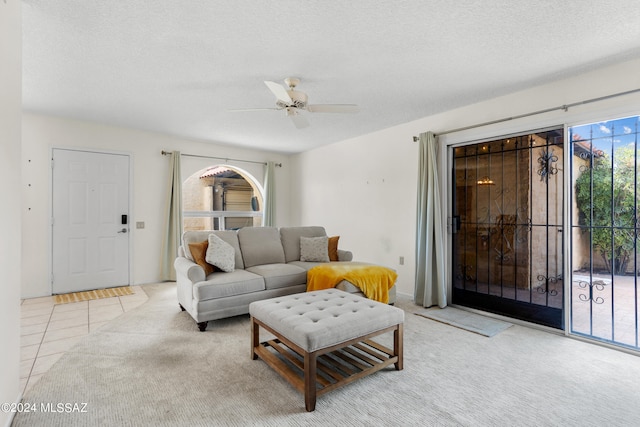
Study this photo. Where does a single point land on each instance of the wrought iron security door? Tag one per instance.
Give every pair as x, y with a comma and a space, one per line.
605, 261
508, 245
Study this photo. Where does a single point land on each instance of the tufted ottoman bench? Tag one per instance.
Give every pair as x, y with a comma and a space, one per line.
323, 339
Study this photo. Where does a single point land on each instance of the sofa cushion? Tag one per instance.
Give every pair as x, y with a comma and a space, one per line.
280, 275
333, 248
221, 254
229, 236
305, 265
199, 252
220, 285
189, 237
315, 249
260, 245
290, 237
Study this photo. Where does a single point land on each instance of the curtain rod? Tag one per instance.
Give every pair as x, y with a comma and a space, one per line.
535, 113
166, 153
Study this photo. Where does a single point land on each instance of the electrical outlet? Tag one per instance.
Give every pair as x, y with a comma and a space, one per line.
401, 260
140, 224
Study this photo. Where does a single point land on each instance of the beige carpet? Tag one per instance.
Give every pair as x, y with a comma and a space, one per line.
91, 295
151, 367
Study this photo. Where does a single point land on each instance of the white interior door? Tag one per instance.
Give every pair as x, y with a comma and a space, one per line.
90, 231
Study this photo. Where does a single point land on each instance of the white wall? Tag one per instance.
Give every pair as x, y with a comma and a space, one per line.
150, 174
365, 188
10, 111
362, 189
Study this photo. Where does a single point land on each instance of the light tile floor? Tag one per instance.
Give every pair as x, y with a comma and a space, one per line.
49, 329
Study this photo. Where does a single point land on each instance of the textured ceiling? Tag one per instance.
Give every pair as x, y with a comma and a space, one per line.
177, 66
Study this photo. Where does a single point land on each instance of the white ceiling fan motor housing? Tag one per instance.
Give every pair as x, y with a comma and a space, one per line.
299, 98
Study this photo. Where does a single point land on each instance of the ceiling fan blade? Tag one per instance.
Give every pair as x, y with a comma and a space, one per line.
280, 92
299, 121
333, 108
240, 110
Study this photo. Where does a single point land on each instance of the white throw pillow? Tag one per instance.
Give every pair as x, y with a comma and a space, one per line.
315, 249
221, 254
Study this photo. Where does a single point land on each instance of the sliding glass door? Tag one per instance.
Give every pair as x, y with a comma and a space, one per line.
508, 223
605, 260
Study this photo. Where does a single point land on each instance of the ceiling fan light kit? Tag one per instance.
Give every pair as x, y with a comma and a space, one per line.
293, 101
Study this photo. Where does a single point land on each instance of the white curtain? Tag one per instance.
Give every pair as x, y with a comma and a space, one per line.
269, 212
173, 220
431, 288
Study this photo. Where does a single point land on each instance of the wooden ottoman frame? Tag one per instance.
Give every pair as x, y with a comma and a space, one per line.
314, 373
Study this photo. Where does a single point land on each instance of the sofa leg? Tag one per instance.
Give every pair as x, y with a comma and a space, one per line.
181, 307
202, 326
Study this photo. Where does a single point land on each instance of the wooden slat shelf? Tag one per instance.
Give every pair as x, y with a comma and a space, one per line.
331, 367
281, 354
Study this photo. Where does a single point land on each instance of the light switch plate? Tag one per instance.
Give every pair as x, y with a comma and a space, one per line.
140, 224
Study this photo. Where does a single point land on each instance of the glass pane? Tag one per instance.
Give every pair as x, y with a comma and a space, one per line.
496, 146
555, 190
626, 126
523, 141
510, 144
483, 190
503, 195
218, 189
605, 231
470, 150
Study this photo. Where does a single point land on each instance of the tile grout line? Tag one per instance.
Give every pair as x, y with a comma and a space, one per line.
89, 331
42, 341
121, 306
35, 358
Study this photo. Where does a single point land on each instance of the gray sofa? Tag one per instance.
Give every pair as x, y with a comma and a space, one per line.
267, 265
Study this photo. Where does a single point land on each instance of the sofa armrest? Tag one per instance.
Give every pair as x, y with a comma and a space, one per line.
345, 255
189, 269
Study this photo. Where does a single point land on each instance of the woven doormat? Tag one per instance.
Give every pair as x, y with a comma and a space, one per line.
466, 320
90, 295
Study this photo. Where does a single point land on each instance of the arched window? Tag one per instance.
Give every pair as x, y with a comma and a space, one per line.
221, 197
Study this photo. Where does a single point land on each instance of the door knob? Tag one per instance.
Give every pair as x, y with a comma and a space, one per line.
124, 230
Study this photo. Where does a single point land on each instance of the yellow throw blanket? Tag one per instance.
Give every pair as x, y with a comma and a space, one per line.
374, 281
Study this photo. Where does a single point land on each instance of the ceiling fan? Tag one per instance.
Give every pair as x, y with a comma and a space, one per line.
293, 101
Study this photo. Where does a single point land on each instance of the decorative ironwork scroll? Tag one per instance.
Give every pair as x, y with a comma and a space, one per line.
464, 272
544, 287
546, 164
598, 284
